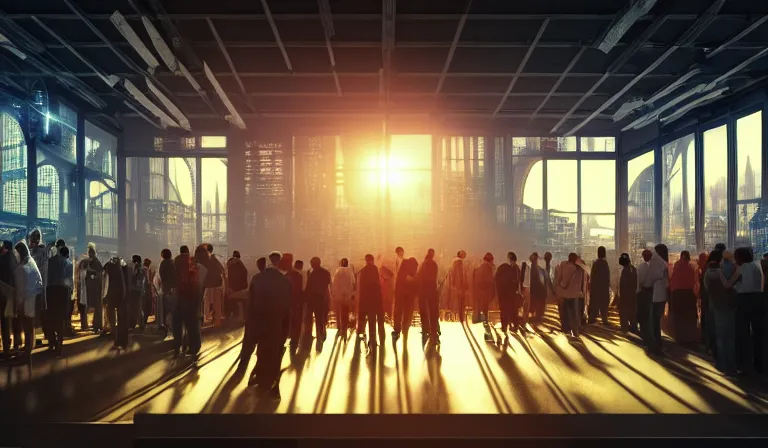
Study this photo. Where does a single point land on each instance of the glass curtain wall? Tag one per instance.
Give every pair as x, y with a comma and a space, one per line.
640, 204
101, 188
678, 217
715, 187
13, 170
750, 230
214, 202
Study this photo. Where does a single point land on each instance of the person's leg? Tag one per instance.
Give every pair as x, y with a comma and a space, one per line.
5, 327
424, 315
433, 310
604, 305
658, 314
379, 314
757, 321
592, 310
193, 328
741, 332
407, 316
371, 317
398, 315
29, 337
178, 330
16, 327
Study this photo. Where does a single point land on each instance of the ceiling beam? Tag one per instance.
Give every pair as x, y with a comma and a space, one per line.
738, 37
395, 94
553, 90
452, 49
369, 114
689, 36
178, 40
521, 67
328, 32
232, 68
276, 33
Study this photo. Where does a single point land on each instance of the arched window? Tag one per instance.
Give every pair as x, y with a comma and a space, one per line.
13, 171
48, 193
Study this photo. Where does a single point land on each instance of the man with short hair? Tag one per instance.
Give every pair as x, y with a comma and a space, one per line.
237, 280
166, 280
298, 304
508, 279
215, 283
59, 294
318, 293
370, 303
599, 288
428, 299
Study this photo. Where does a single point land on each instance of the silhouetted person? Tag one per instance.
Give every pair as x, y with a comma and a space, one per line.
269, 313
429, 307
298, 305
627, 295
658, 275
458, 285
116, 303
215, 282
147, 296
747, 280
261, 264
508, 279
599, 288
136, 287
166, 274
237, 280
40, 253
683, 312
370, 302
406, 289
645, 298
722, 307
90, 281
8, 264
59, 295
342, 287
190, 277
538, 289
570, 283
318, 292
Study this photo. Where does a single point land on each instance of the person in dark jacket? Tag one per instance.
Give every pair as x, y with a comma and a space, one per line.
370, 303
298, 304
250, 334
167, 273
116, 303
628, 295
147, 296
237, 280
406, 289
216, 280
508, 279
318, 292
136, 284
428, 299
7, 267
90, 280
599, 288
269, 313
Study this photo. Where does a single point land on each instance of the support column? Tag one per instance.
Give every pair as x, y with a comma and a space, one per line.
236, 189
80, 211
731, 183
509, 183
699, 223
122, 206
32, 183
198, 200
657, 190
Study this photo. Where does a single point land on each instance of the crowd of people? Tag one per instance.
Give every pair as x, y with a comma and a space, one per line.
719, 300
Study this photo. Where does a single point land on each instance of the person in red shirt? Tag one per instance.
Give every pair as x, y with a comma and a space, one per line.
683, 315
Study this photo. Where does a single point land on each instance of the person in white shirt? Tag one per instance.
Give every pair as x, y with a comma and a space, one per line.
658, 275
342, 288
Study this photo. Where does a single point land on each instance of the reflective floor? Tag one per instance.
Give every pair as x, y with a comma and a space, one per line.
537, 371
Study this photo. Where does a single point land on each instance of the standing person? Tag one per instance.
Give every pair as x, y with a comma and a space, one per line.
747, 281
370, 303
40, 253
405, 294
721, 303
8, 264
29, 285
250, 335
428, 299
116, 301
508, 279
298, 305
148, 295
59, 294
190, 281
683, 303
136, 287
727, 265
537, 286
214, 288
525, 291
627, 295
166, 274
90, 282
343, 286
645, 298
707, 330
458, 285
269, 313
570, 282
484, 291
599, 288
318, 293
658, 275
237, 280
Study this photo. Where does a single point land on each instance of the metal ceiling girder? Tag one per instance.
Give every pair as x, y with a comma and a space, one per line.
231, 64
138, 95
739, 36
452, 49
328, 32
234, 116
624, 20
276, 33
178, 40
521, 67
654, 114
624, 111
172, 108
134, 40
558, 82
689, 36
698, 102
738, 68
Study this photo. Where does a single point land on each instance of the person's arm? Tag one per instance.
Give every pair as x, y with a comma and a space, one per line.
734, 278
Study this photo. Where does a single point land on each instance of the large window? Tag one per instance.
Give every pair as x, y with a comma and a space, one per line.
598, 144
678, 217
715, 187
48, 193
598, 206
214, 213
749, 172
562, 204
14, 166
640, 200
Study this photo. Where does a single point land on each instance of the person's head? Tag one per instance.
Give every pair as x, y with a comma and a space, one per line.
275, 257
512, 257
60, 243
91, 250
573, 258
715, 257
728, 255
743, 255
184, 250
201, 255
431, 254
147, 262
601, 252
209, 247
462, 254
286, 261
548, 257
344, 263
261, 264
23, 251
662, 251
136, 259
703, 256
7, 247
314, 262
488, 258
685, 255
534, 257
765, 256
299, 265
647, 255
34, 237
369, 259
624, 260
64, 252
721, 247
236, 254
166, 254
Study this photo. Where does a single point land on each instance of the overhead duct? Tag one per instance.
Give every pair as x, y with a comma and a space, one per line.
8, 45
622, 23
649, 118
693, 104
631, 106
165, 120
738, 68
234, 117
172, 108
162, 48
130, 35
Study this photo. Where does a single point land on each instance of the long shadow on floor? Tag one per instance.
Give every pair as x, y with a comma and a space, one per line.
493, 386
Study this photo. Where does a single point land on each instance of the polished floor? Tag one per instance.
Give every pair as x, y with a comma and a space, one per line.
537, 371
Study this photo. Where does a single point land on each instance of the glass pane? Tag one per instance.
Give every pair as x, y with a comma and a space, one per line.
640, 201
530, 214
48, 193
267, 195
715, 186
598, 144
213, 141
14, 165
562, 238
562, 185
534, 145
747, 228
67, 121
596, 231
100, 150
214, 202
101, 211
678, 216
749, 156
598, 186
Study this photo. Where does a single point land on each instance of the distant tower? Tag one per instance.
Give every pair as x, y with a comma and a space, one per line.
750, 189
